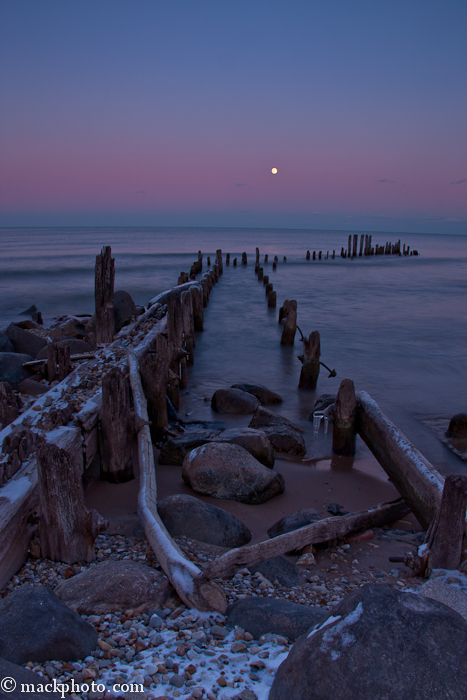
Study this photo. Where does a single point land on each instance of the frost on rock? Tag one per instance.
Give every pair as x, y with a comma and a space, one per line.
341, 629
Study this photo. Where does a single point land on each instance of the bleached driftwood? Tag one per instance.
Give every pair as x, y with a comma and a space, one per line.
320, 531
417, 481
184, 575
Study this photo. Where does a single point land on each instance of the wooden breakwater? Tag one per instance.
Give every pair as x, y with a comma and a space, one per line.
46, 452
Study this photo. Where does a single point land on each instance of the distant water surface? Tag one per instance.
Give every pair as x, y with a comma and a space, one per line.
396, 326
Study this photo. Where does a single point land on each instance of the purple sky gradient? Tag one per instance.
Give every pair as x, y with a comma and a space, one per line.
158, 112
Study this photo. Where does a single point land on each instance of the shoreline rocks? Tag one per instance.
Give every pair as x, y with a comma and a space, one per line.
233, 401
185, 515
282, 433
228, 471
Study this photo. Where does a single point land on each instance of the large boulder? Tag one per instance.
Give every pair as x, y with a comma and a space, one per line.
25, 342
11, 367
5, 343
228, 471
124, 309
186, 515
115, 586
278, 569
36, 626
175, 449
68, 326
77, 346
32, 387
294, 521
233, 401
264, 395
379, 643
256, 442
282, 433
274, 615
457, 426
23, 677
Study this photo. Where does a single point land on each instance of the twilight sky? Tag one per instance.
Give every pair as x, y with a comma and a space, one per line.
173, 112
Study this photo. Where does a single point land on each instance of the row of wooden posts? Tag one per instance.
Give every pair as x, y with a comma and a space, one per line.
366, 249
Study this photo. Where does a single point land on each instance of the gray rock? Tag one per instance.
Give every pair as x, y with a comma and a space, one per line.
115, 586
233, 401
5, 343
35, 626
323, 402
11, 367
228, 471
21, 676
278, 568
264, 395
282, 433
124, 309
294, 521
259, 616
32, 387
256, 442
25, 342
68, 326
446, 593
457, 426
186, 515
379, 643
77, 347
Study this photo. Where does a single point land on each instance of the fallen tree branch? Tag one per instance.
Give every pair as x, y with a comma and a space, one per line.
320, 531
194, 590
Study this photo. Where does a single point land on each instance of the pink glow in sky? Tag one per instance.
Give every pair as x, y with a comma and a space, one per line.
174, 114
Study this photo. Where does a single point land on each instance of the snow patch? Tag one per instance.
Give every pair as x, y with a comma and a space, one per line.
318, 627
15, 490
341, 629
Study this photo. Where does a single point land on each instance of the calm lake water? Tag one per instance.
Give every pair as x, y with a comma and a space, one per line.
396, 326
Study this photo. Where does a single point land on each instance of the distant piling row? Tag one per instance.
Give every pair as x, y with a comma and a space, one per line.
365, 249
271, 295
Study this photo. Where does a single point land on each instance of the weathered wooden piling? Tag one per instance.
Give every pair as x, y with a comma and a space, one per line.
446, 534
272, 300
307, 256
266, 258
319, 255
268, 288
104, 296
354, 247
265, 279
257, 255
197, 303
257, 266
9, 407
310, 361
67, 529
362, 237
260, 274
333, 254
284, 259
274, 265
244, 259
314, 255
235, 262
227, 259
349, 245
188, 326
58, 361
116, 435
154, 376
219, 261
345, 420
289, 321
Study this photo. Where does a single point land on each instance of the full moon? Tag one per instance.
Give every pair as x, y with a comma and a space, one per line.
274, 171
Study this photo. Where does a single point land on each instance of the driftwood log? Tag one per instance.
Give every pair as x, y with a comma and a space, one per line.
184, 575
310, 361
315, 533
344, 432
67, 529
117, 432
104, 296
418, 482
